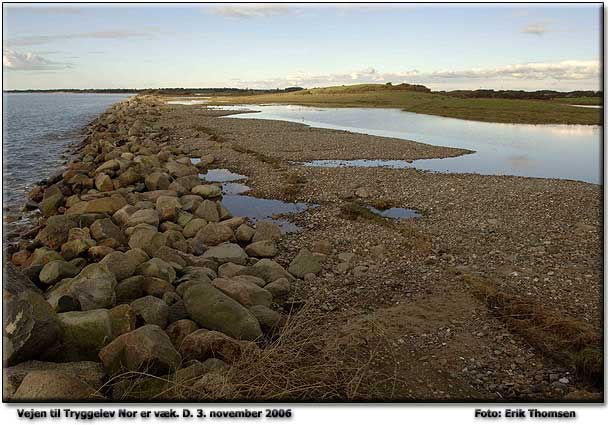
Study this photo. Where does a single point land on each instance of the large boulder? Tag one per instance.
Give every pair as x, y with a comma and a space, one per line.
156, 267
193, 227
152, 310
146, 349
56, 270
227, 253
177, 169
147, 216
179, 330
261, 249
31, 326
104, 229
245, 292
210, 308
107, 205
56, 231
305, 262
147, 239
120, 264
204, 344
266, 230
52, 385
167, 208
207, 190
93, 288
214, 234
158, 181
103, 182
84, 334
266, 269
208, 211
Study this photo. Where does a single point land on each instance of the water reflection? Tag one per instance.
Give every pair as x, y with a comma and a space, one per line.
555, 151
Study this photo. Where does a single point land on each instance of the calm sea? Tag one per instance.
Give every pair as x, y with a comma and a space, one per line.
37, 130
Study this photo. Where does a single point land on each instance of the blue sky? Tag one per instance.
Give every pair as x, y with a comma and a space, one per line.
278, 45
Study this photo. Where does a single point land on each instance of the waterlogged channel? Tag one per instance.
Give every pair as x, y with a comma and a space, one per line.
239, 204
552, 151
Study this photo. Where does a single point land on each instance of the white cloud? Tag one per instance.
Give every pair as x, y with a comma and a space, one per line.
146, 33
543, 73
28, 61
537, 28
244, 10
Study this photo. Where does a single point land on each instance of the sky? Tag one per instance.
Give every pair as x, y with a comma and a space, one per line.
265, 45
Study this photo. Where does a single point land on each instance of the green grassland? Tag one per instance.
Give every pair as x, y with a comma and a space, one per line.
408, 99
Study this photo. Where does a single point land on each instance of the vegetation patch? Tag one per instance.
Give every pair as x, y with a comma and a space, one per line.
568, 341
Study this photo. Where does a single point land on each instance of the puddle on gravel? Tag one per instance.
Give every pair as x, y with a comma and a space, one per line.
221, 175
396, 213
249, 206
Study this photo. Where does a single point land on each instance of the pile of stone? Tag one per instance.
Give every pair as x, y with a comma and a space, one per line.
137, 266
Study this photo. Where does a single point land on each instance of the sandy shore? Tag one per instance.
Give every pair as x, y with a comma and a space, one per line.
536, 239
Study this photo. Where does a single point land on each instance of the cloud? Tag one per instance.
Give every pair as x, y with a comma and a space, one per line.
537, 28
16, 61
246, 11
569, 70
146, 32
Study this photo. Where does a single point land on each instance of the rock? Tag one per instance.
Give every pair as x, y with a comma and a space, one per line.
251, 279
108, 205
148, 240
172, 257
146, 349
171, 297
203, 344
105, 229
152, 196
120, 264
362, 192
156, 287
210, 308
143, 216
322, 246
266, 230
158, 181
207, 191
208, 211
42, 256
183, 218
266, 269
245, 292
56, 231
180, 170
129, 177
193, 227
244, 233
228, 270
75, 248
190, 202
223, 212
91, 373
214, 234
20, 258
269, 319
156, 267
30, 324
93, 287
265, 248
121, 216
167, 208
123, 319
305, 262
84, 334
43, 385
103, 183
130, 289
137, 256
179, 330
227, 253
152, 310
98, 252
177, 311
112, 165
54, 271
50, 206
279, 288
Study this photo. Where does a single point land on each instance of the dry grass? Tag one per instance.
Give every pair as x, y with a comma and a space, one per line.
568, 341
303, 361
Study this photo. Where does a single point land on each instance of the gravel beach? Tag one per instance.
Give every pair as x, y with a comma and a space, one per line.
493, 293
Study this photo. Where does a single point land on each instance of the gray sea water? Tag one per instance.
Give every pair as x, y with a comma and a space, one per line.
37, 130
